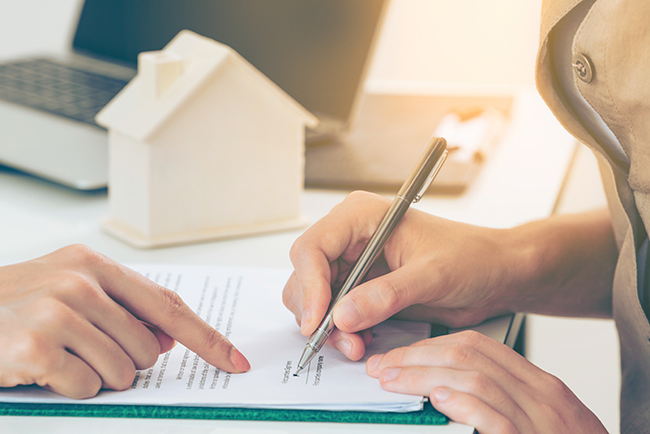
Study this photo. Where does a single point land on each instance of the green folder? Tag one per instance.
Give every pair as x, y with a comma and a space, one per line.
427, 416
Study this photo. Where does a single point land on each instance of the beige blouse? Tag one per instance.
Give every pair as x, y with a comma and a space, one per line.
611, 59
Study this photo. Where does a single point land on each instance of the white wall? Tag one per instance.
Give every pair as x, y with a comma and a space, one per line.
473, 42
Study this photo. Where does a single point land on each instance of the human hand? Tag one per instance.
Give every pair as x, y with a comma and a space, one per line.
75, 321
480, 382
431, 269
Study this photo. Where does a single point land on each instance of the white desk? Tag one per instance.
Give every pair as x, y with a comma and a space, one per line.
520, 182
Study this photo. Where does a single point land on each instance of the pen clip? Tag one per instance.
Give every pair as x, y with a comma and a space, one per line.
433, 174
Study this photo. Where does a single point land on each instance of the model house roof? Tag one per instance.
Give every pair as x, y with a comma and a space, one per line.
167, 79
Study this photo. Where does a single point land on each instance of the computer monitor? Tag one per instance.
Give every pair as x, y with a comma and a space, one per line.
316, 50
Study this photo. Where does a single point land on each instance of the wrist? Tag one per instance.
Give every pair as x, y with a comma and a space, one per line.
563, 266
525, 259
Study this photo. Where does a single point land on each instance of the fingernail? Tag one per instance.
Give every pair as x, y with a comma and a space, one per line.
373, 362
441, 394
349, 313
239, 360
306, 316
345, 347
389, 374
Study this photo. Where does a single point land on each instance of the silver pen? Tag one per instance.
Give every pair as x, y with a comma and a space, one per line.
412, 191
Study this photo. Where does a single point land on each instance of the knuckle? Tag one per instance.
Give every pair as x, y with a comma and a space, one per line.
149, 360
90, 388
478, 383
119, 376
214, 339
172, 304
82, 253
552, 416
45, 365
555, 387
470, 337
387, 292
296, 250
32, 349
554, 397
79, 287
457, 355
125, 378
287, 299
360, 196
149, 354
14, 378
51, 316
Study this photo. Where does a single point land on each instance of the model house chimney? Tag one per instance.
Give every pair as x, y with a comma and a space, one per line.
157, 71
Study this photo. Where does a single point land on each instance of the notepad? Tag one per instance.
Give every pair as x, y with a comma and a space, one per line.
244, 304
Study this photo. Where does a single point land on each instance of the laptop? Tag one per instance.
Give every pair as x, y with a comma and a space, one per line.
318, 51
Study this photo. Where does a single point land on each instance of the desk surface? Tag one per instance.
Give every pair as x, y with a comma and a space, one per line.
519, 183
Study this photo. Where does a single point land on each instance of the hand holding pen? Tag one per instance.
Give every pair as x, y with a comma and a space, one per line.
455, 274
414, 187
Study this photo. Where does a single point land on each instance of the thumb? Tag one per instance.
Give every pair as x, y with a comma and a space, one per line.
376, 300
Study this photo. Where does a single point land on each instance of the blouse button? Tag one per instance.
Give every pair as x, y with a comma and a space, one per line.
583, 67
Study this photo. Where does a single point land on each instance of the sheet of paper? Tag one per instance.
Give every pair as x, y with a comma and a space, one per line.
244, 304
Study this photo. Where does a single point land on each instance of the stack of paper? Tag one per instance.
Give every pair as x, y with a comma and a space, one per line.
244, 304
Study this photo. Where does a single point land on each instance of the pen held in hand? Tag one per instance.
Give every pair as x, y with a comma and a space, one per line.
425, 170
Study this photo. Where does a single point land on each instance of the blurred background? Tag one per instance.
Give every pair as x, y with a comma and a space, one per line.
419, 36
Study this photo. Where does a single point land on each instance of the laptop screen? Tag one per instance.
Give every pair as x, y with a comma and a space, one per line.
316, 50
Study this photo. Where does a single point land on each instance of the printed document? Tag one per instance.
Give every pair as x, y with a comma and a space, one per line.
245, 305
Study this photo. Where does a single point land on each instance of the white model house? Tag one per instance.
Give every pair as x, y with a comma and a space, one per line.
202, 145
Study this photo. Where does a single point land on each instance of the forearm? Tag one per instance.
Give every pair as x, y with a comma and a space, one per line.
567, 264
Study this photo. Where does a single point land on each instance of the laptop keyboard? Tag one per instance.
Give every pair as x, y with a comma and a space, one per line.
56, 88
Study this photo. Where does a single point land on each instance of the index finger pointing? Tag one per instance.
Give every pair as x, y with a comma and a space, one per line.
165, 310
